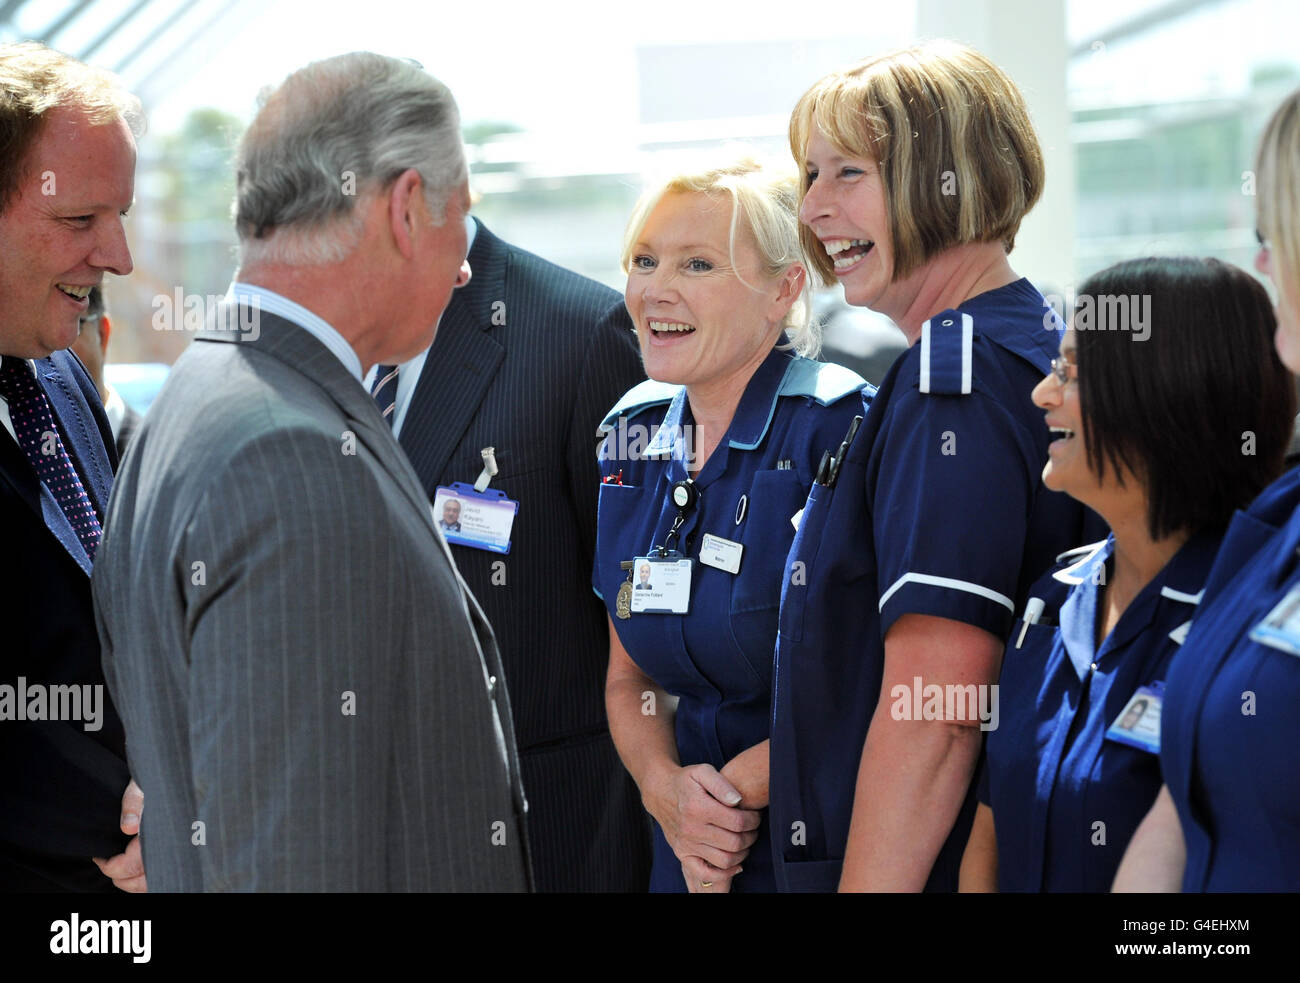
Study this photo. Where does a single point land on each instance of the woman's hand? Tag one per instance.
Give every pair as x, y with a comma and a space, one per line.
699, 811
747, 773
704, 878
700, 815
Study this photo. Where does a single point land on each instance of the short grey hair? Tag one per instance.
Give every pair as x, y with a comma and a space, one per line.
329, 133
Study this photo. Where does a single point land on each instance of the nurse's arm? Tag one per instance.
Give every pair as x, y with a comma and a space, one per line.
1157, 854
979, 864
914, 774
687, 803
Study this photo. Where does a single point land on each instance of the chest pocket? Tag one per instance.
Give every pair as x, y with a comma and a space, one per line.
767, 533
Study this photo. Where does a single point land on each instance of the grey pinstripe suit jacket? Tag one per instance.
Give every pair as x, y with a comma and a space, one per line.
312, 698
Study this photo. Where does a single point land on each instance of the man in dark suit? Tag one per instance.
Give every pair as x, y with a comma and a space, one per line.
91, 347
528, 359
313, 700
66, 178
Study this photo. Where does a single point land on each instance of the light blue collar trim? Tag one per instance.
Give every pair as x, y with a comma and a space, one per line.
670, 438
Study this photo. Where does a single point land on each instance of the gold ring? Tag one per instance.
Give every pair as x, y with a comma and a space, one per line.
706, 884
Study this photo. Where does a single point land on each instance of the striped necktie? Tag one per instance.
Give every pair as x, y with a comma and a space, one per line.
33, 423
385, 391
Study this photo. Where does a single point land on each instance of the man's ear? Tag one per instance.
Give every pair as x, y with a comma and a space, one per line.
405, 200
105, 329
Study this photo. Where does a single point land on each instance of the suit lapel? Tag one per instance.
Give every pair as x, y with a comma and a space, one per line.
461, 366
84, 442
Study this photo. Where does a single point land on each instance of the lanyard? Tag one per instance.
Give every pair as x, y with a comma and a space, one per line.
685, 495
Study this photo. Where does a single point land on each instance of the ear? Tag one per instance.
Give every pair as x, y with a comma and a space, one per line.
105, 330
405, 199
789, 287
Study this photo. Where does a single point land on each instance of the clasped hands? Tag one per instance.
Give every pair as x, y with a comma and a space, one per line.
711, 818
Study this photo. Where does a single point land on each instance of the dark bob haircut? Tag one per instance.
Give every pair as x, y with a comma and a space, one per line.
1181, 385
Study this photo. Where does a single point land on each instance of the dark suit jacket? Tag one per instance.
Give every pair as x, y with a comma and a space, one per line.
62, 784
320, 693
528, 359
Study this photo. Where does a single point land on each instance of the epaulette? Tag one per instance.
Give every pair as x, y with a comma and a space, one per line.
640, 397
947, 354
823, 381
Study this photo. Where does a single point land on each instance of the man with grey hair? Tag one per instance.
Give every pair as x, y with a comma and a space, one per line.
67, 176
313, 700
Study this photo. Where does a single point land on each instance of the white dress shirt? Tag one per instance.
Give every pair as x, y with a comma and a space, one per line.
313, 324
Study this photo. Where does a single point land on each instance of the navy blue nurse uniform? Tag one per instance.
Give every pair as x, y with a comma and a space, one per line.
937, 509
1230, 734
717, 658
1067, 799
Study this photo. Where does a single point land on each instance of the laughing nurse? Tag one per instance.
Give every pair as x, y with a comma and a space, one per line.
911, 560
1149, 402
705, 467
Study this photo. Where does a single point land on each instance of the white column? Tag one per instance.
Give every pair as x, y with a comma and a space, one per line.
1027, 39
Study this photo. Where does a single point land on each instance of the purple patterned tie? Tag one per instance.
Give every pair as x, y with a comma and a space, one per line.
29, 411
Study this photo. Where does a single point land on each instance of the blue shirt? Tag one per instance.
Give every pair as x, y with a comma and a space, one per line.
1230, 734
939, 509
1051, 775
717, 658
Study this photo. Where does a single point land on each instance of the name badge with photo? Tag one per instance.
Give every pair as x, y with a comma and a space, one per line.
721, 553
1138, 724
480, 520
1280, 628
661, 585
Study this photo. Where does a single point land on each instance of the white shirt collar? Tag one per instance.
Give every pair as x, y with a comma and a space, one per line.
274, 303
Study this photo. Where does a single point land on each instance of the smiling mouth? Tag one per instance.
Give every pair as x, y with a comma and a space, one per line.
1061, 433
845, 252
75, 292
670, 329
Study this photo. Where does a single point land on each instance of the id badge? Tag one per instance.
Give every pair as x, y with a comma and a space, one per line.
721, 553
1280, 628
661, 584
1138, 724
480, 520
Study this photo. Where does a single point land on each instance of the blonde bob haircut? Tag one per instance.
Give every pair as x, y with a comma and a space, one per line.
958, 156
1277, 174
765, 210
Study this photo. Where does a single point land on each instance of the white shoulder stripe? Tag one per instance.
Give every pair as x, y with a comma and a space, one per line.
967, 353
948, 582
967, 345
925, 357
1177, 595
